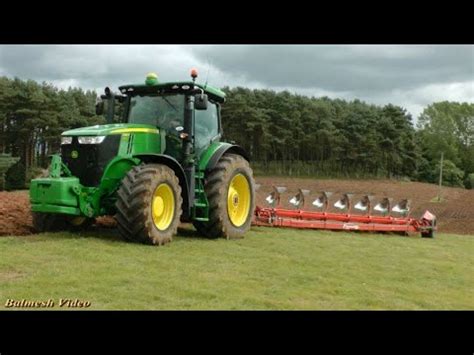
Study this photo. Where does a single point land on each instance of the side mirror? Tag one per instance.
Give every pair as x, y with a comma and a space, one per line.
200, 102
99, 107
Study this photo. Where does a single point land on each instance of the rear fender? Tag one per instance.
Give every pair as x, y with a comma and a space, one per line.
214, 153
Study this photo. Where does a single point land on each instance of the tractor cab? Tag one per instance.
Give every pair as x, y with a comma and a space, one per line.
163, 105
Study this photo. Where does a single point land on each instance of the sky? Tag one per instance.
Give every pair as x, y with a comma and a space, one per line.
411, 76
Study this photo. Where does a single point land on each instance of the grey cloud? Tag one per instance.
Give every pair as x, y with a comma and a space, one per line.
94, 66
409, 76
345, 68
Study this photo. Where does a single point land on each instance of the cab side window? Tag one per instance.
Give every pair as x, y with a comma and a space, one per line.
206, 126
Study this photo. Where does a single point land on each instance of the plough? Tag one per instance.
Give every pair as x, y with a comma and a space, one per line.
276, 216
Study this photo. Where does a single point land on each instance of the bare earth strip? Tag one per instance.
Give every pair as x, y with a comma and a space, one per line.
455, 214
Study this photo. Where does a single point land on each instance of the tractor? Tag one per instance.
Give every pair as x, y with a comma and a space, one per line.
161, 163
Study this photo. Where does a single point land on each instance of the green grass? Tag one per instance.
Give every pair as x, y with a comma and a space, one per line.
268, 269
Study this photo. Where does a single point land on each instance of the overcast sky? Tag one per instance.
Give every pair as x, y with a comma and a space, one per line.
410, 76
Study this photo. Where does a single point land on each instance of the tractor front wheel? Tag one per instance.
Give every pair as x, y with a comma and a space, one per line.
149, 204
230, 190
54, 222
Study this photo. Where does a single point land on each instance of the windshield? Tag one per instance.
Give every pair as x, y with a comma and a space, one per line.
165, 111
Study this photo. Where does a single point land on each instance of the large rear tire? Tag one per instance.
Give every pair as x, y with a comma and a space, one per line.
149, 204
230, 190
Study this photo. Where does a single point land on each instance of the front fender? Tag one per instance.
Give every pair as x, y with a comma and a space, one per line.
115, 172
178, 170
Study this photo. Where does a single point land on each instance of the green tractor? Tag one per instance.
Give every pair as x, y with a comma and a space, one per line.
163, 165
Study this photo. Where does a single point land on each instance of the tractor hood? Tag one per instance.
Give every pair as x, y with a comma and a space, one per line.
105, 130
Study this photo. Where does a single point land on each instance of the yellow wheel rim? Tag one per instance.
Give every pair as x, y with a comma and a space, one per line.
162, 206
238, 200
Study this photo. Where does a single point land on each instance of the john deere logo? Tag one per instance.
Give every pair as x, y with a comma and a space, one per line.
74, 154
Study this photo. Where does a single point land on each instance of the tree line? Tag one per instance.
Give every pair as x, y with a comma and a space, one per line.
32, 117
284, 133
292, 134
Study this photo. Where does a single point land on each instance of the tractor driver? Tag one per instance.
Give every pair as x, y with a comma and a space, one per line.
171, 120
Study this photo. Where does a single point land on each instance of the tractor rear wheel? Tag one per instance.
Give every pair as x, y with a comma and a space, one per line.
230, 190
149, 204
54, 222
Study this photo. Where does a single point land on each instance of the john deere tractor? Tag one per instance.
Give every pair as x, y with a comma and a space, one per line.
164, 162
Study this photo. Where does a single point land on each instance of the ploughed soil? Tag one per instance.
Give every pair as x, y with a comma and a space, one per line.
455, 213
15, 216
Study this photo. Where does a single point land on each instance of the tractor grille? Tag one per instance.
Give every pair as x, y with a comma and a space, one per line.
91, 159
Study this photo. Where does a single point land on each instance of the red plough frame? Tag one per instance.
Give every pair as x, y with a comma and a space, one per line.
279, 217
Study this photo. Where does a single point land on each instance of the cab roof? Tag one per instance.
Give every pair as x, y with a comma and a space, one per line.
178, 86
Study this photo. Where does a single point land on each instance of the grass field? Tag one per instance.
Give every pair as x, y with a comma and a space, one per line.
268, 269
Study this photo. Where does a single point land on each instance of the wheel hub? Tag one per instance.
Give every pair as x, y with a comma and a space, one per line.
235, 200
158, 207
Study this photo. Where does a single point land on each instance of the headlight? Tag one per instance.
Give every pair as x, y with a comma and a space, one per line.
91, 140
66, 140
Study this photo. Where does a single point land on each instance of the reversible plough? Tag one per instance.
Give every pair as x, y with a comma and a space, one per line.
373, 217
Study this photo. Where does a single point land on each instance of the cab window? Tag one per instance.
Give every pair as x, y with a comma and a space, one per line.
165, 111
206, 126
